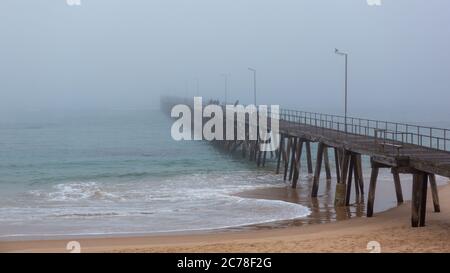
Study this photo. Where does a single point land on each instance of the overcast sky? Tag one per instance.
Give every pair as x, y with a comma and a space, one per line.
109, 54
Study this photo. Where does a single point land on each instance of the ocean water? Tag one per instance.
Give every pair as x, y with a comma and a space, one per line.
120, 172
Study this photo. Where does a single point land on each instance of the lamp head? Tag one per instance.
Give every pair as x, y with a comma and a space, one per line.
337, 51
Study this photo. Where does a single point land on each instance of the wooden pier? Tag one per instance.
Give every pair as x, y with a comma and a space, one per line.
420, 151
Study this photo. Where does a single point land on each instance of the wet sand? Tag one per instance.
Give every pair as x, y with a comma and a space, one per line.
390, 228
322, 208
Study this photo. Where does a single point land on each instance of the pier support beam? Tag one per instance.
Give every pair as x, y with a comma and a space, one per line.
264, 158
259, 153
315, 187
354, 173
372, 188
308, 157
280, 153
294, 148
236, 145
419, 199
359, 173
423, 200
297, 165
286, 162
251, 150
340, 194
255, 150
349, 179
376, 166
434, 192
326, 161
398, 185
338, 166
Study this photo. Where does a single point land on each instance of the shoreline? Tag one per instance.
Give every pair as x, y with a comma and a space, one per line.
283, 193
390, 228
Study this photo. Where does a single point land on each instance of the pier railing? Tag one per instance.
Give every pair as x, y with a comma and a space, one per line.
395, 132
383, 131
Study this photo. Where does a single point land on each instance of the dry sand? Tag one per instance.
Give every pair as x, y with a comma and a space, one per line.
391, 229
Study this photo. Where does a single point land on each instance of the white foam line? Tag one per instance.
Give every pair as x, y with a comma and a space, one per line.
308, 212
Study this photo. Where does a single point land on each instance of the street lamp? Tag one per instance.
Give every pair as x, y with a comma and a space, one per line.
186, 90
197, 92
345, 54
254, 83
226, 86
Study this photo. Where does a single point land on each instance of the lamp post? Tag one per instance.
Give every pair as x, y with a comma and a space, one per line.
226, 87
254, 83
186, 90
197, 91
345, 54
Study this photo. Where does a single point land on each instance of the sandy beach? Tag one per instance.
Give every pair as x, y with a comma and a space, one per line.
390, 228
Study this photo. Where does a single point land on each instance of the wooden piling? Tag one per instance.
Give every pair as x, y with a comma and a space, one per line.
423, 199
294, 148
264, 158
419, 199
340, 192
398, 185
326, 161
258, 161
349, 180
280, 152
434, 193
286, 163
415, 201
254, 150
341, 153
315, 187
356, 176
338, 166
257, 143
308, 157
235, 145
359, 172
297, 164
372, 188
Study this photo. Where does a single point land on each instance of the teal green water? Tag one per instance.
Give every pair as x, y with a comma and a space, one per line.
121, 172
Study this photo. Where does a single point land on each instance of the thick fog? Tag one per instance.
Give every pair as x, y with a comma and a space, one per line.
124, 54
